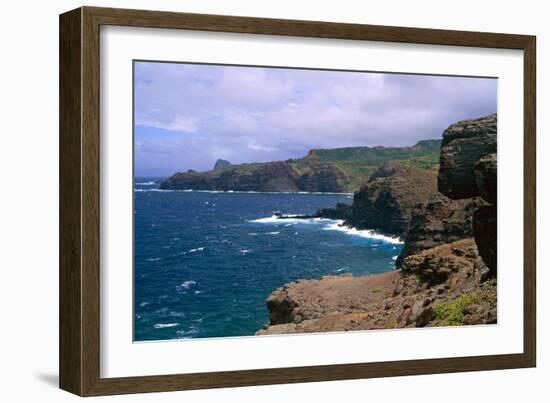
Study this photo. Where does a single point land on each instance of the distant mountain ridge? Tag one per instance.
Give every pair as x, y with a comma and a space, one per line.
321, 170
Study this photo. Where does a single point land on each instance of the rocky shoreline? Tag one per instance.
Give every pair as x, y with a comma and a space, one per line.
446, 272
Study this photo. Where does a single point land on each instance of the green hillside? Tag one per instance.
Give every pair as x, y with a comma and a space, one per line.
358, 163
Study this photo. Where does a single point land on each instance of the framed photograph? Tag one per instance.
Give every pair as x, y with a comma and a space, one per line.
249, 201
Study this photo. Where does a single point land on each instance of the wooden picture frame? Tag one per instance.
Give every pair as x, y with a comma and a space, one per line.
79, 346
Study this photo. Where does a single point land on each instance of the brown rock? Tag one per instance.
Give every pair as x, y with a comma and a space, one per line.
464, 143
386, 201
486, 177
485, 233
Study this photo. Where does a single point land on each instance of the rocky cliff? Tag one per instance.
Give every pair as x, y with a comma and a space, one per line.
386, 201
468, 167
272, 177
335, 170
463, 145
439, 221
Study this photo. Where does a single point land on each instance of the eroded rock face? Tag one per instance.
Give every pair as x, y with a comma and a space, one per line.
386, 201
324, 178
435, 266
468, 168
441, 220
464, 143
486, 177
485, 233
342, 211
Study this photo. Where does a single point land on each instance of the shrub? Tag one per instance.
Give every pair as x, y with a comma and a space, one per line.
452, 312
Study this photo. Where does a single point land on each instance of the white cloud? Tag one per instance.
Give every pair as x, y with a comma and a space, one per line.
252, 114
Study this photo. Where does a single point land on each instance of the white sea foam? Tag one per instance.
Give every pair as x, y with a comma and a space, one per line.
337, 225
186, 334
195, 250
348, 195
164, 325
273, 233
329, 224
394, 258
154, 190
289, 220
150, 183
245, 251
187, 284
154, 259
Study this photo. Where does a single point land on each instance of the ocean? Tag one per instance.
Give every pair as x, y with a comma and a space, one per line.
205, 262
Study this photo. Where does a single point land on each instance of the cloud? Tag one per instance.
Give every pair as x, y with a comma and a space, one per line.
196, 114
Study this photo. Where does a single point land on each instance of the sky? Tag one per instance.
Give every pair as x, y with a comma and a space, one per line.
186, 116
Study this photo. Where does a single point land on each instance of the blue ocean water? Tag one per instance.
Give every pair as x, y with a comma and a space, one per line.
205, 262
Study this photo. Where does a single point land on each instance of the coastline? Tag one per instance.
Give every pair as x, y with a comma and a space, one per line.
235, 191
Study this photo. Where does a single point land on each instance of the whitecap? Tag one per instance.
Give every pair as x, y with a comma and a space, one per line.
394, 258
185, 334
245, 251
154, 259
289, 219
187, 284
154, 190
145, 183
200, 249
164, 325
273, 233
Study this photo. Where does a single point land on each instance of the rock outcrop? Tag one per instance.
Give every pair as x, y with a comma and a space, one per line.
342, 211
468, 167
439, 221
463, 145
386, 201
221, 164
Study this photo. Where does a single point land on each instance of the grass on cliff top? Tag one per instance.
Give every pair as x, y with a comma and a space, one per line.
452, 312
